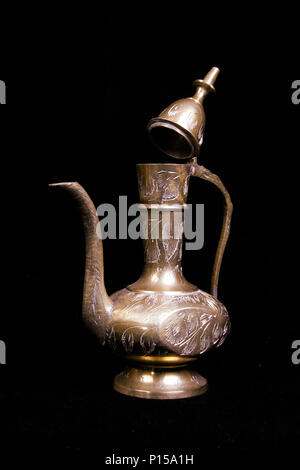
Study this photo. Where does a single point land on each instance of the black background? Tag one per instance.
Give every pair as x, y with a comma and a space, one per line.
82, 83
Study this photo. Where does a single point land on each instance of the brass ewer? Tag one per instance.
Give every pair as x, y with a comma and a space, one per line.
161, 323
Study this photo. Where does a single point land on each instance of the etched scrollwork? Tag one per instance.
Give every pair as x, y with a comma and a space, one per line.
133, 339
187, 325
193, 331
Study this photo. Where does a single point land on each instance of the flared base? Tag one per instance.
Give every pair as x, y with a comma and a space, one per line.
160, 383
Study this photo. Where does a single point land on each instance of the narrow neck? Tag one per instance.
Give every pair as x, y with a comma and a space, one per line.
163, 251
163, 237
163, 192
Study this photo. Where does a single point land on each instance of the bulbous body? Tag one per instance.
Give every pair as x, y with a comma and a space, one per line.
161, 320
160, 326
162, 317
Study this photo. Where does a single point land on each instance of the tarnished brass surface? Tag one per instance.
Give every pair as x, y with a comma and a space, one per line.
205, 174
162, 313
178, 130
96, 305
160, 384
161, 322
171, 360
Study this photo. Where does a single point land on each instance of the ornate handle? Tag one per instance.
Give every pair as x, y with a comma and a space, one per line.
205, 174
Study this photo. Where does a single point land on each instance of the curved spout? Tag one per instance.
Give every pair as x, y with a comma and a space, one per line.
97, 306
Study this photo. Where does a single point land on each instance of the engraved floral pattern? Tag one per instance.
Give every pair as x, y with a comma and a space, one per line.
149, 322
166, 185
186, 324
191, 332
133, 339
